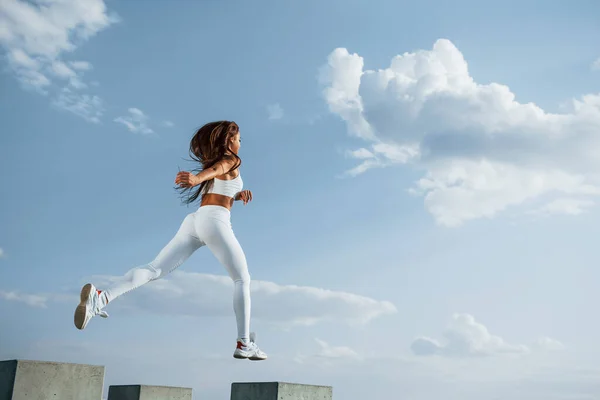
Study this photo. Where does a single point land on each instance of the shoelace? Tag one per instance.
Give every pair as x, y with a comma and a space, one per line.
248, 345
254, 347
251, 346
96, 310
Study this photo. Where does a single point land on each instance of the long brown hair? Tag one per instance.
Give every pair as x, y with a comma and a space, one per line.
209, 145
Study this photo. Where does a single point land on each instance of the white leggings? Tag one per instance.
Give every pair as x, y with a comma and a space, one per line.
210, 226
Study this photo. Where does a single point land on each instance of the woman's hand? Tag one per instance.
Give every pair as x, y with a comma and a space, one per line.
187, 179
245, 196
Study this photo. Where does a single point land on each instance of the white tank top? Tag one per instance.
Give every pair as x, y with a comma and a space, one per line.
227, 187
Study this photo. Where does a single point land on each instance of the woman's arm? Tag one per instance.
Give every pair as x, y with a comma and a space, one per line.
220, 168
187, 179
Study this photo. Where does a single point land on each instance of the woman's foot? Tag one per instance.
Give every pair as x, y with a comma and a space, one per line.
249, 350
90, 305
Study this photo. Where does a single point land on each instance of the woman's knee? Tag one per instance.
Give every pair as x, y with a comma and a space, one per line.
155, 273
238, 267
242, 277
143, 274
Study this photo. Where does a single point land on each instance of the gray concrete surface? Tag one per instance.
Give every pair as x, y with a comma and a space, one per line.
147, 392
44, 380
279, 391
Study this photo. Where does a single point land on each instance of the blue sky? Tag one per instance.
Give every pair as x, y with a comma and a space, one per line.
413, 225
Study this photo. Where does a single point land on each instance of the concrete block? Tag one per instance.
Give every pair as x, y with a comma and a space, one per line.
44, 380
279, 391
146, 392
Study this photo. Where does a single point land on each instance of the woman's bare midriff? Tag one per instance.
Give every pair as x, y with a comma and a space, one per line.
213, 199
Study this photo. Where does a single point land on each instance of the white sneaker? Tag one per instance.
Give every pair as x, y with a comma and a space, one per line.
249, 350
89, 306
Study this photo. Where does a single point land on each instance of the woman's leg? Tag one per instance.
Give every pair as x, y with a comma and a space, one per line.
216, 232
226, 248
176, 252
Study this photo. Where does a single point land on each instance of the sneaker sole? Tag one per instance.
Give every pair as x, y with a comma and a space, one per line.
239, 357
81, 310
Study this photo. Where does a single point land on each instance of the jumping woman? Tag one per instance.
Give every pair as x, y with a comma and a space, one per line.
215, 146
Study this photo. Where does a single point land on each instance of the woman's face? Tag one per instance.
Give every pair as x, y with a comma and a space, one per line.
235, 143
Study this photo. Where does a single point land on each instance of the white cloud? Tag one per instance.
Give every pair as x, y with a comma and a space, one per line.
465, 337
80, 65
329, 351
548, 344
61, 70
50, 27
37, 35
2, 253
596, 65
460, 190
39, 300
380, 155
191, 294
136, 121
168, 124
361, 154
18, 58
86, 106
195, 294
274, 111
481, 150
567, 206
32, 300
342, 76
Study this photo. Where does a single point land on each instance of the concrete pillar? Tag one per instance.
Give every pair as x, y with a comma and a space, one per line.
279, 391
44, 380
146, 392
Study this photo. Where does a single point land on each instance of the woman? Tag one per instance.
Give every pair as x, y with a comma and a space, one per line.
215, 146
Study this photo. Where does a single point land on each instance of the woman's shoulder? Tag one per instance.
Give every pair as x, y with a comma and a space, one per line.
229, 176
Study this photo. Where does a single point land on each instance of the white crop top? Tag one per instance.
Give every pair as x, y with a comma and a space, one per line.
227, 187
